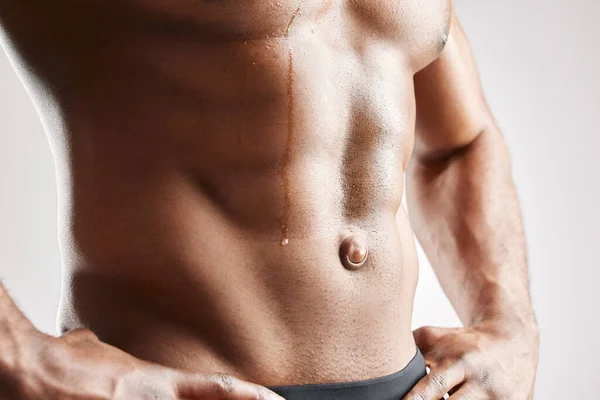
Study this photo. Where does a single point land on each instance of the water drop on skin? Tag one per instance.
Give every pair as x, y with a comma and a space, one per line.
285, 176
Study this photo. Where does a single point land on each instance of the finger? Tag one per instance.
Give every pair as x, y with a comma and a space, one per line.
467, 392
437, 383
221, 387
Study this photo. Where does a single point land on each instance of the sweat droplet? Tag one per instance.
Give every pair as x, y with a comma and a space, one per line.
285, 176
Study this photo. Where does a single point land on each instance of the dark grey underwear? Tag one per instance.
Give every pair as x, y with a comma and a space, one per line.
389, 387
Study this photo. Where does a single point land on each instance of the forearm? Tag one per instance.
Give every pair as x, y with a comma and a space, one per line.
15, 332
465, 212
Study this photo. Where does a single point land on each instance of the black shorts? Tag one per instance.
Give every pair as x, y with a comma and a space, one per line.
389, 387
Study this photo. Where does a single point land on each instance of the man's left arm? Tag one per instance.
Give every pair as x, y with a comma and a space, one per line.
464, 210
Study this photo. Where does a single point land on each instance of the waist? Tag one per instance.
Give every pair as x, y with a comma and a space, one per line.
389, 387
248, 306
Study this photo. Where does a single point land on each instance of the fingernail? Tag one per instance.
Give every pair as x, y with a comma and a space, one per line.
275, 396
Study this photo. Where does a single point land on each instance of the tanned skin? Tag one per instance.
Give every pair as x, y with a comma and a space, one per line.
230, 177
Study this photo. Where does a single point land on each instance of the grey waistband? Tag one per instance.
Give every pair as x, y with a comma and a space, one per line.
388, 387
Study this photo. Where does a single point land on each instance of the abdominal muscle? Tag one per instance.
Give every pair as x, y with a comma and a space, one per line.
182, 286
184, 265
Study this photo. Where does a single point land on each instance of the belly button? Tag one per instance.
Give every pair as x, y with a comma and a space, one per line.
354, 252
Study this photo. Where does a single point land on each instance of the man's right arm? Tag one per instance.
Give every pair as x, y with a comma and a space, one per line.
79, 366
15, 331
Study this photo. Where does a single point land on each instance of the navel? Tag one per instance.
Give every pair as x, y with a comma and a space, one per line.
354, 251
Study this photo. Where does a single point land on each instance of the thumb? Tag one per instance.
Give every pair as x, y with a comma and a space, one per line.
221, 387
427, 336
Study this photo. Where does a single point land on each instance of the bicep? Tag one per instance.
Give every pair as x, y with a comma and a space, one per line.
451, 108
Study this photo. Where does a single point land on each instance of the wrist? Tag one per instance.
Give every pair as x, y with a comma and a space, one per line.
505, 310
511, 326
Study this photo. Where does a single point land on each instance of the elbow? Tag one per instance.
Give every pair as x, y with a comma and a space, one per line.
455, 146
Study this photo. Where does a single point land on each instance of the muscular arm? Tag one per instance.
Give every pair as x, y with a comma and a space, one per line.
464, 210
462, 199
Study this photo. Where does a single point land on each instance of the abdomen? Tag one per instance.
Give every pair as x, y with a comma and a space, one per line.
188, 159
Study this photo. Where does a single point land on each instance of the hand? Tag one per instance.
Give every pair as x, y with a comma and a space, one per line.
483, 362
78, 366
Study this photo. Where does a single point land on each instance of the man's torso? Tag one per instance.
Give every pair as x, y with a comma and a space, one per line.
212, 156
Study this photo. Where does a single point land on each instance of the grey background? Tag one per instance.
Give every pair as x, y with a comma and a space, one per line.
539, 64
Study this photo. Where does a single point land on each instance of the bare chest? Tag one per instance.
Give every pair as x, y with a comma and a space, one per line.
419, 27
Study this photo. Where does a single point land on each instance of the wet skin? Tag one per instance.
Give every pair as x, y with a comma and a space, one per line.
231, 175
